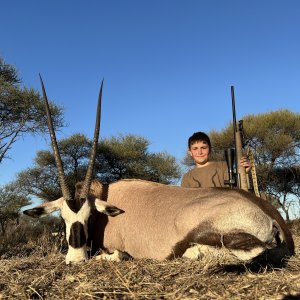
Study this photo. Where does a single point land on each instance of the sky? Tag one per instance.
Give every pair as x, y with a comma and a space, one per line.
167, 65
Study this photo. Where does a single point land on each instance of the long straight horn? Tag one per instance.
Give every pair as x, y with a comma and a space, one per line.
62, 179
89, 173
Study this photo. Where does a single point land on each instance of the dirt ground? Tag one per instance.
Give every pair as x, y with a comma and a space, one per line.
41, 275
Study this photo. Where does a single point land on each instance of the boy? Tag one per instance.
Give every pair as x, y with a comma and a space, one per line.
206, 173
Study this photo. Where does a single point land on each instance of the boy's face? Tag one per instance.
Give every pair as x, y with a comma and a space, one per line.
199, 151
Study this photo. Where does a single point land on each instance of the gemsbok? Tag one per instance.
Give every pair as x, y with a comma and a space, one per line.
157, 221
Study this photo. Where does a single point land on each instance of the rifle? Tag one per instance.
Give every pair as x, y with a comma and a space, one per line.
238, 178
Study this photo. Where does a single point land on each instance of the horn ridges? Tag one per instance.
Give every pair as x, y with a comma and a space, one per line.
89, 173
62, 179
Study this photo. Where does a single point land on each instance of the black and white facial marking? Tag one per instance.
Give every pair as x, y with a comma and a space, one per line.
76, 214
77, 237
76, 205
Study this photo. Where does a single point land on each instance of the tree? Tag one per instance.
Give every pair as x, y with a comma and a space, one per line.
117, 158
275, 140
42, 179
21, 110
11, 202
128, 157
284, 184
8, 73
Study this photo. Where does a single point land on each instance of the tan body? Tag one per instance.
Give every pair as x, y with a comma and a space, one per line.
159, 219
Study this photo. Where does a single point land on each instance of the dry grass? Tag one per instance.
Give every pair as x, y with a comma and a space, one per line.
40, 276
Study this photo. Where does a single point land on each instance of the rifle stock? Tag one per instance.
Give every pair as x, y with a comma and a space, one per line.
242, 175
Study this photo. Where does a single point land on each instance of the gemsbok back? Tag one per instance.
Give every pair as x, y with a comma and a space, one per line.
157, 221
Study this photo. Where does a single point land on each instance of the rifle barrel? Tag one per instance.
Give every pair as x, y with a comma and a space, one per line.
234, 127
233, 108
240, 171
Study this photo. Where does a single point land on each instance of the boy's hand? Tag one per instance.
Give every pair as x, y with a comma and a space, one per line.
244, 162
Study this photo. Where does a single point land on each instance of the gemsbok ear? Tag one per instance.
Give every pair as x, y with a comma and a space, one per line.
44, 209
108, 209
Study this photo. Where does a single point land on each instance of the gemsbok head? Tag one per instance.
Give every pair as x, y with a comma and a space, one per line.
75, 209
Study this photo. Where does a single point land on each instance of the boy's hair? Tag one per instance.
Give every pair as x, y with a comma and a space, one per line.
199, 137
